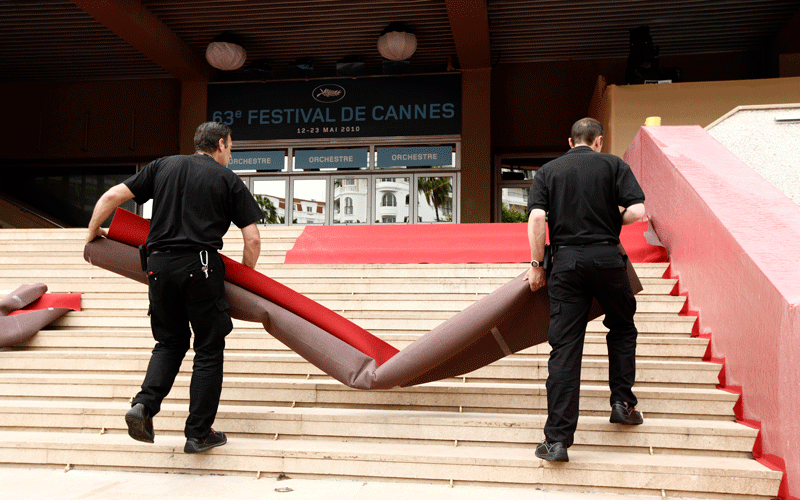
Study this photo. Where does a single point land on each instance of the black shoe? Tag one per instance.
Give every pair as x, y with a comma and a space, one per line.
140, 423
621, 413
214, 439
552, 452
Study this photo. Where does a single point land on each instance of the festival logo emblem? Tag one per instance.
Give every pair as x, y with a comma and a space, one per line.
328, 93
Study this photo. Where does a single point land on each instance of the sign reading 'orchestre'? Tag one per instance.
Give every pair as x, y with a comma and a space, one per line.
415, 157
331, 158
262, 161
363, 107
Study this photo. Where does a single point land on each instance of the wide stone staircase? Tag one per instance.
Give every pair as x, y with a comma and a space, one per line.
63, 394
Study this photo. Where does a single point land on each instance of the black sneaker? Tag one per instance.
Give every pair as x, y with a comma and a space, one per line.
214, 439
623, 414
552, 452
140, 423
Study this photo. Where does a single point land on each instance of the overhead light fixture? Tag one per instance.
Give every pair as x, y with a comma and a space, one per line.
225, 52
397, 42
303, 67
351, 65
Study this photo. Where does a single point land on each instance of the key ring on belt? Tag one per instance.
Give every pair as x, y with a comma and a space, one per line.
203, 262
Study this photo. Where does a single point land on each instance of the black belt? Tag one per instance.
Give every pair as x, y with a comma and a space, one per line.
183, 251
585, 245
145, 252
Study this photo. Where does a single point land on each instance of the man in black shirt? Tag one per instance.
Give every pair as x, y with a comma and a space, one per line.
195, 199
584, 197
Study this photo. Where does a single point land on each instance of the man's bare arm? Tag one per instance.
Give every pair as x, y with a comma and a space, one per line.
633, 213
252, 245
536, 237
104, 207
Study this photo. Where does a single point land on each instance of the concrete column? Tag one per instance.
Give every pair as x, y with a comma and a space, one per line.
194, 95
476, 147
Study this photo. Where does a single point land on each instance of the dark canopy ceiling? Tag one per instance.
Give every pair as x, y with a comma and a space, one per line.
131, 39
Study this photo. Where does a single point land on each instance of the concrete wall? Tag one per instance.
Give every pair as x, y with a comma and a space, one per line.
734, 242
625, 108
194, 100
535, 104
109, 120
759, 136
524, 108
789, 65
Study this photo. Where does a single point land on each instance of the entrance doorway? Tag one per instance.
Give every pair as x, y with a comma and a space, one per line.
513, 174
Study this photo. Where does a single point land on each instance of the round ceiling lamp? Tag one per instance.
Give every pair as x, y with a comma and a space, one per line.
225, 52
397, 42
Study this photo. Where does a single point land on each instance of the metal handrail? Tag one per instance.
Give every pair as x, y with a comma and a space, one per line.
25, 209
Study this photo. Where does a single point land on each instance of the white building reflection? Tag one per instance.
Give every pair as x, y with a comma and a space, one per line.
351, 200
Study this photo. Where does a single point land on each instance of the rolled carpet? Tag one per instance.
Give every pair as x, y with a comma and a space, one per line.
28, 309
509, 319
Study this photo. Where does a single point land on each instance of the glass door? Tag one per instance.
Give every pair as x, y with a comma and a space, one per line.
434, 198
513, 177
392, 196
309, 203
271, 195
350, 201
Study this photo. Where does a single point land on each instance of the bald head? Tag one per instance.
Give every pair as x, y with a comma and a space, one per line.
585, 131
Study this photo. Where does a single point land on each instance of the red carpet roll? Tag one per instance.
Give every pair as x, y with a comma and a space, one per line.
508, 320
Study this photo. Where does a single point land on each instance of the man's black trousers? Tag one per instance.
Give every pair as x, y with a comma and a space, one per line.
578, 275
181, 294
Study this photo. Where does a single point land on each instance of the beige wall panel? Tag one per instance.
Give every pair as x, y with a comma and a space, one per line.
698, 103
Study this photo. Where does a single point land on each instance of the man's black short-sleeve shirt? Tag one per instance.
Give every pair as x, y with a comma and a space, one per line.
195, 199
581, 192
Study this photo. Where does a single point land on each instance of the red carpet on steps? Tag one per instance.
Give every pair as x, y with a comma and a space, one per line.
131, 229
438, 244
490, 243
57, 300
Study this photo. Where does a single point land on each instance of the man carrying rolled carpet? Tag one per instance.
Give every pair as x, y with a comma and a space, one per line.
195, 200
584, 197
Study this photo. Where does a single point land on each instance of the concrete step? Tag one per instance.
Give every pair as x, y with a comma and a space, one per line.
78, 234
111, 288
376, 301
378, 322
380, 327
609, 471
255, 340
448, 395
47, 482
524, 369
24, 260
447, 303
656, 436
75, 378
498, 271
14, 234
85, 271
70, 248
